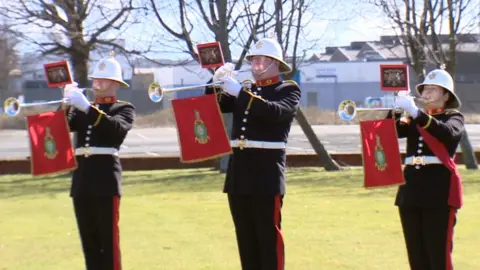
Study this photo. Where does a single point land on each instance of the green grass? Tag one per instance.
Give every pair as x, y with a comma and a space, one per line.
180, 220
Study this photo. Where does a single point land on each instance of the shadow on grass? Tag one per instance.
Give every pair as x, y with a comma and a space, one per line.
142, 182
25, 185
302, 181
334, 184
204, 181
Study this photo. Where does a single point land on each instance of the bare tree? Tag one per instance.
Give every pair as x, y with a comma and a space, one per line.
420, 25
10, 61
290, 23
223, 21
70, 28
239, 23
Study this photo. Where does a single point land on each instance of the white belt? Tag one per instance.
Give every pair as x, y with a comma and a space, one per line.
87, 151
257, 144
422, 160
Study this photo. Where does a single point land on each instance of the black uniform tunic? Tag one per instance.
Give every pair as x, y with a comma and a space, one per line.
260, 113
105, 125
429, 185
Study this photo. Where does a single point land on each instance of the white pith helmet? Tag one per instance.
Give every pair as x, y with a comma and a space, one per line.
271, 48
443, 79
109, 68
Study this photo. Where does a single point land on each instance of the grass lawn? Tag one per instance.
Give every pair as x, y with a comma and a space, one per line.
179, 219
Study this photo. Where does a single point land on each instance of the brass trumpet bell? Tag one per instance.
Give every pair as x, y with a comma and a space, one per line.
155, 92
11, 106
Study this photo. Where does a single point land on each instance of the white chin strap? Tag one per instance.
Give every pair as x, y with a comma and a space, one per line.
265, 70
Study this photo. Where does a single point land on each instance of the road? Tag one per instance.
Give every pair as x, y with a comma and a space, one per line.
14, 144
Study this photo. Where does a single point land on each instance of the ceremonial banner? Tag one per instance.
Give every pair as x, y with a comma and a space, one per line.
382, 162
50, 144
210, 55
58, 74
200, 128
394, 77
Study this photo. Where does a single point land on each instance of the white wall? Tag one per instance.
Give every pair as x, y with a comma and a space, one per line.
344, 71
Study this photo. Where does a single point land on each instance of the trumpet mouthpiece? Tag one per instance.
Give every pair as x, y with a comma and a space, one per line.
421, 100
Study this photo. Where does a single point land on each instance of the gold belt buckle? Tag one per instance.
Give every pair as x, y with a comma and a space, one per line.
86, 151
418, 161
242, 144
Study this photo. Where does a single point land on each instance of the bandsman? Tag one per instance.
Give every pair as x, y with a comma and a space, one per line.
263, 111
96, 188
432, 194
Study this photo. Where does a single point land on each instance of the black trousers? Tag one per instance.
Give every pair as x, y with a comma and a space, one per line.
97, 221
428, 234
257, 220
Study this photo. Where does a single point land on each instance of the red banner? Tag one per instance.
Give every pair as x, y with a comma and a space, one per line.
200, 127
50, 144
382, 162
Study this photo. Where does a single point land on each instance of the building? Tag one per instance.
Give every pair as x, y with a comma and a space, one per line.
346, 72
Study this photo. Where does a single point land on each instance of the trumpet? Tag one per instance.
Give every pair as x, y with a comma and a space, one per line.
347, 109
13, 107
156, 91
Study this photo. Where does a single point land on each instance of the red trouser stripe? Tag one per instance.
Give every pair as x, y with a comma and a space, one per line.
116, 237
451, 223
280, 245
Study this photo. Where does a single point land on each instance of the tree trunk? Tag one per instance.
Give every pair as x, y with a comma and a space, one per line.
325, 159
80, 68
469, 158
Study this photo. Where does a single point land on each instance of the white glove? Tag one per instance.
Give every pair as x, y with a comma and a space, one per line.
227, 70
230, 86
74, 96
407, 103
404, 93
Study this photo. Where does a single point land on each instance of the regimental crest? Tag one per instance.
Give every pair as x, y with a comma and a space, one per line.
380, 158
50, 147
432, 76
200, 130
259, 44
272, 34
394, 77
101, 66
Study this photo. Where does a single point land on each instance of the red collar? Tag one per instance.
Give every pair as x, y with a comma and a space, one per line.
110, 99
435, 111
268, 81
